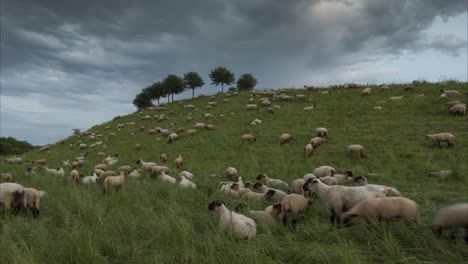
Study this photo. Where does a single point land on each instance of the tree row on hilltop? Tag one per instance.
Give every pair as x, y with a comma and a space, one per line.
174, 84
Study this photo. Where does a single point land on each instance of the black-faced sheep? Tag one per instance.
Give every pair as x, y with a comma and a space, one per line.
238, 225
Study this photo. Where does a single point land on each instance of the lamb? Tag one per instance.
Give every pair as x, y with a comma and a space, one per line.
308, 150
185, 183
285, 138
260, 217
324, 171
321, 132
57, 172
90, 179
317, 141
339, 198
451, 218
179, 161
383, 208
231, 190
11, 195
166, 178
238, 225
395, 98
270, 194
442, 175
146, 165
389, 191
458, 109
186, 174
274, 210
74, 175
32, 200
163, 157
441, 137
294, 205
14, 160
113, 181
231, 173
357, 150
6, 176
248, 138
134, 174
273, 183
172, 137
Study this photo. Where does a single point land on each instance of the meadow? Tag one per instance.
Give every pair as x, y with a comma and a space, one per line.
151, 222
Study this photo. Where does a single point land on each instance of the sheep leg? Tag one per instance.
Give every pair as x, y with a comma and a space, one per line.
294, 223
466, 236
332, 216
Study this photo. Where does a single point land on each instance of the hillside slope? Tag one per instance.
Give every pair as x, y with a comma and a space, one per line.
148, 221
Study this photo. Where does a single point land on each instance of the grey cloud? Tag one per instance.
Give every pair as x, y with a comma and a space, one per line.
449, 44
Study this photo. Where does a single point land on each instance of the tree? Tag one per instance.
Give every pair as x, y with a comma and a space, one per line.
142, 100
10, 145
246, 82
221, 75
174, 84
156, 91
193, 80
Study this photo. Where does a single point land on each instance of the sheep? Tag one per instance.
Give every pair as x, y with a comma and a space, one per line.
251, 107
317, 141
238, 225
126, 168
11, 195
441, 137
344, 178
395, 98
296, 186
83, 146
443, 96
260, 217
74, 175
366, 91
270, 194
32, 200
357, 150
57, 172
14, 160
273, 183
30, 172
199, 125
285, 138
155, 170
179, 161
191, 132
274, 210
231, 190
231, 173
450, 92
378, 108
329, 180
40, 162
452, 217
309, 176
6, 176
293, 204
308, 108
452, 103
113, 181
186, 183
172, 137
134, 174
321, 132
308, 150
384, 87
389, 191
44, 149
408, 87
108, 173
248, 138
458, 109
101, 167
186, 174
65, 163
90, 179
339, 198
383, 208
442, 175
166, 178
112, 162
323, 171
146, 165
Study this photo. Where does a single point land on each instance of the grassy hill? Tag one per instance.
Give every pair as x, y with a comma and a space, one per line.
151, 222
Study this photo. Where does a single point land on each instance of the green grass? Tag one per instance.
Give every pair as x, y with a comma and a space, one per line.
150, 222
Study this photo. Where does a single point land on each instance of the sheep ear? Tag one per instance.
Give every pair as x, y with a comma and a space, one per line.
269, 194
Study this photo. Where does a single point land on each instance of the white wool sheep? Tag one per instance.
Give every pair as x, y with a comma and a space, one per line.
134, 174
32, 200
329, 180
308, 150
389, 191
44, 149
83, 146
186, 183
395, 98
297, 186
6, 176
231, 190
344, 178
270, 194
231, 173
321, 132
450, 92
186, 174
285, 138
126, 168
451, 218
54, 172
317, 141
442, 175
163, 157
357, 150
14, 160
248, 138
378, 108
172, 137
179, 161
238, 225
146, 165
366, 91
308, 108
101, 167
90, 179
41, 162
458, 109
166, 178
113, 181
441, 137
156, 170
11, 195
191, 132
339, 198
293, 205
323, 171
309, 176
273, 183
260, 217
199, 125
383, 208
74, 175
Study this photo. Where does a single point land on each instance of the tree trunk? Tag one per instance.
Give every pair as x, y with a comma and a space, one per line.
168, 98
172, 97
158, 100
193, 92
222, 87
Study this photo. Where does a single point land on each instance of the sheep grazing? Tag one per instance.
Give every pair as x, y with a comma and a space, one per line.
126, 168
452, 103
231, 190
356, 150
441, 175
83, 146
199, 125
40, 162
451, 218
74, 175
134, 174
231, 173
11, 195
339, 198
317, 141
389, 191
308, 150
285, 138
166, 178
113, 181
395, 98
179, 161
251, 107
441, 137
186, 174
156, 170
329, 180
6, 176
248, 138
308, 108
323, 171
450, 92
270, 194
458, 109
260, 217
321, 132
14, 160
90, 179
32, 200
342, 179
101, 167
44, 149
384, 208
186, 183
191, 132
55, 172
146, 165
293, 205
163, 157
366, 91
172, 137
273, 183
408, 87
238, 225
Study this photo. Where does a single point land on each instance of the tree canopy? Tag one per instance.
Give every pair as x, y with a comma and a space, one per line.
10, 145
221, 75
246, 82
193, 80
174, 84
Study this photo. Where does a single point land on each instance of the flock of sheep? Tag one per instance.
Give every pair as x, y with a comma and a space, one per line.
347, 197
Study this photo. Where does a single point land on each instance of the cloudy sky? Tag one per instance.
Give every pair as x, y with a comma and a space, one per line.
74, 64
